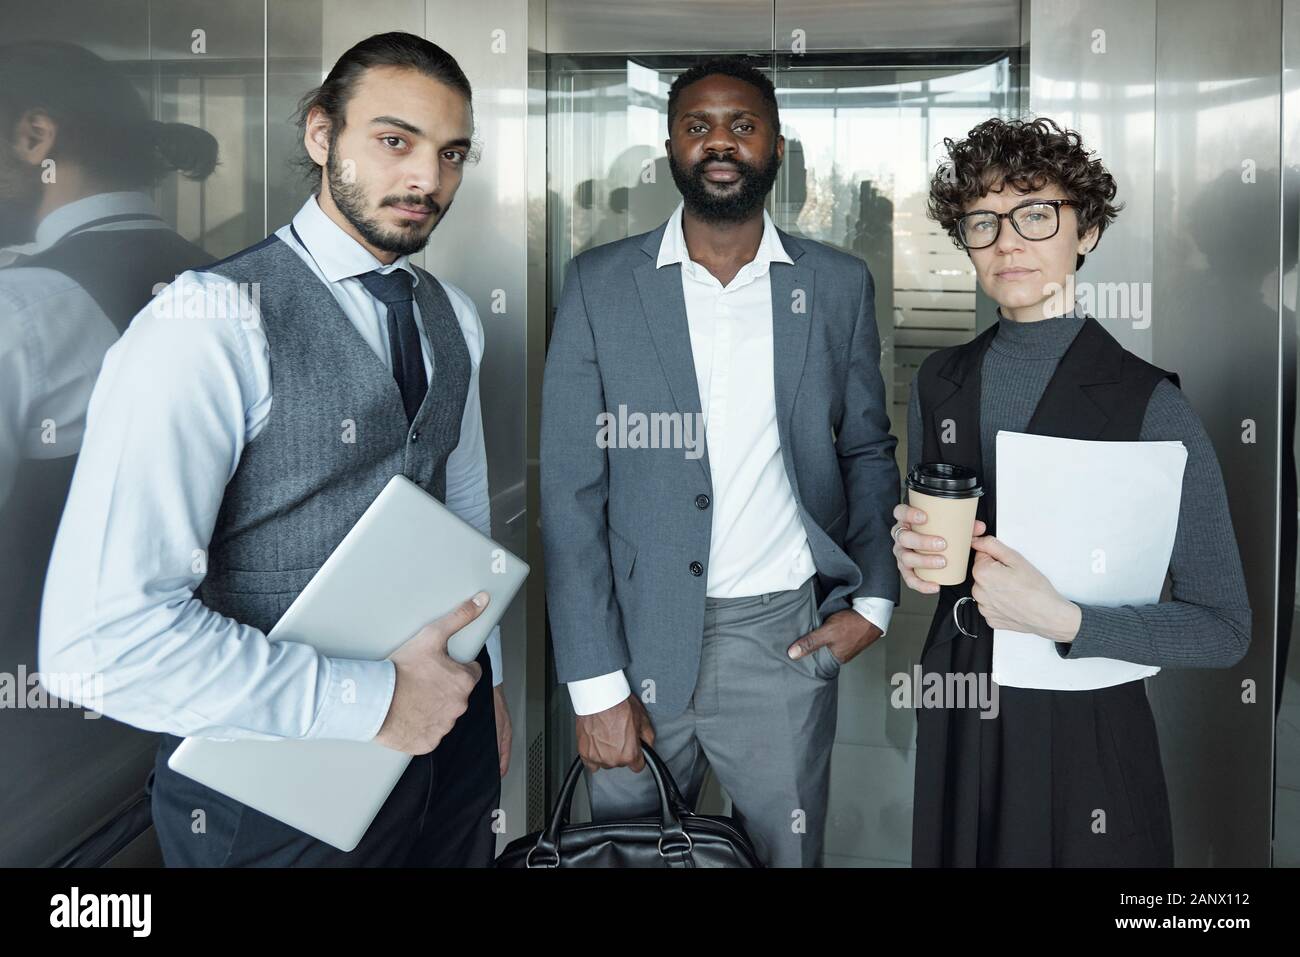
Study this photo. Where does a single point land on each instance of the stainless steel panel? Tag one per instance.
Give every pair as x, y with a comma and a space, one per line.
295, 63
483, 249
1093, 70
822, 25
208, 70
195, 30
531, 722
1216, 242
1175, 98
65, 776
624, 26
1286, 794
116, 32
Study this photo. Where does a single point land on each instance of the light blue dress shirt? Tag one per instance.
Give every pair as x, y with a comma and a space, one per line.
175, 404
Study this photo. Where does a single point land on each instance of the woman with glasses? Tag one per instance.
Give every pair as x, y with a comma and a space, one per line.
1050, 778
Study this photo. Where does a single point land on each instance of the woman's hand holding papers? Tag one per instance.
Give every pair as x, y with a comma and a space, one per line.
1015, 596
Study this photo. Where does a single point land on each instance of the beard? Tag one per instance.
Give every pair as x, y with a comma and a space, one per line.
739, 202
403, 239
20, 197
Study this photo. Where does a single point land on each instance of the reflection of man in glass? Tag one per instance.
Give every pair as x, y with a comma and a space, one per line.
78, 149
77, 153
718, 594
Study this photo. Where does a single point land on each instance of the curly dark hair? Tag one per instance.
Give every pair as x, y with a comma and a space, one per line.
1028, 154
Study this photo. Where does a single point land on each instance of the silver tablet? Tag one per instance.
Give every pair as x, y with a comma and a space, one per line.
407, 561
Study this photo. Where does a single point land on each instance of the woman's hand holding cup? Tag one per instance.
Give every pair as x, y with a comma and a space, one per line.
914, 550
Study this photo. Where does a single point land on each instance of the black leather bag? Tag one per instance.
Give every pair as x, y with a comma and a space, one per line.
677, 837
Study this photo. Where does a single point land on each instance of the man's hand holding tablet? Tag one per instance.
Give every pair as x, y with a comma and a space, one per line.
432, 690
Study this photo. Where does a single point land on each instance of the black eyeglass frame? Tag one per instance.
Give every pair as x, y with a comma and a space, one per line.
1056, 205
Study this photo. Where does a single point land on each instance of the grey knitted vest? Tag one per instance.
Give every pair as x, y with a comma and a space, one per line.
336, 434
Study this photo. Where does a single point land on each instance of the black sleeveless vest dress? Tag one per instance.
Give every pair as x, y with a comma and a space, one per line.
1024, 788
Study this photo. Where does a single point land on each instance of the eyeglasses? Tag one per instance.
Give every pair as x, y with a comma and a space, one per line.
1035, 220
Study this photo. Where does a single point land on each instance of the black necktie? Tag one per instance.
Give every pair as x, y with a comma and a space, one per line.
394, 290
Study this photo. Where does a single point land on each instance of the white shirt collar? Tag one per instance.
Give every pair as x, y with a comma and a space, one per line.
672, 249
338, 255
81, 211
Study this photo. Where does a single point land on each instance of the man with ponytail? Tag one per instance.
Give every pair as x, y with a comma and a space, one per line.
228, 456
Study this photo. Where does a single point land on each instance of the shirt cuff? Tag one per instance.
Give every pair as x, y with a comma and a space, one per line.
592, 695
494, 656
878, 611
357, 698
1067, 649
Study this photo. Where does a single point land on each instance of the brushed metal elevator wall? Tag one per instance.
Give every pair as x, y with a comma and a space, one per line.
1181, 101
482, 247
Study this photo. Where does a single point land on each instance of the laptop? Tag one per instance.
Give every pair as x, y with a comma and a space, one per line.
407, 561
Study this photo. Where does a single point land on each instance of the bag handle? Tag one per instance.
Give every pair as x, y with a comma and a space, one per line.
674, 842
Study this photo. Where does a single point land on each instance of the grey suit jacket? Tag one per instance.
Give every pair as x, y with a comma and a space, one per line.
625, 531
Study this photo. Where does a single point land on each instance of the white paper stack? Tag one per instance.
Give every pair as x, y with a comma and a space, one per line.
1098, 519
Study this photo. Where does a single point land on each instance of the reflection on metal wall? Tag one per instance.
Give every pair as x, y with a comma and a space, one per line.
1181, 102
1215, 288
238, 72
626, 26
67, 776
822, 25
1104, 87
1286, 794
483, 249
1180, 99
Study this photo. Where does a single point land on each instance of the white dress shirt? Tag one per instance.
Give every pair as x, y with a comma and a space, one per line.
758, 542
53, 336
175, 404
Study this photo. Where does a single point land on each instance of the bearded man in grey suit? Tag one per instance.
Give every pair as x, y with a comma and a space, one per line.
718, 479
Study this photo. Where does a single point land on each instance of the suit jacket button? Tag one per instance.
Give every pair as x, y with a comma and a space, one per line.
701, 501
697, 569
415, 436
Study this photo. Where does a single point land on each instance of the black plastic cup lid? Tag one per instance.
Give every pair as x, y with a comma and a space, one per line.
944, 481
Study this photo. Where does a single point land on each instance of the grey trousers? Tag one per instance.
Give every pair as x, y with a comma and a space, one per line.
763, 722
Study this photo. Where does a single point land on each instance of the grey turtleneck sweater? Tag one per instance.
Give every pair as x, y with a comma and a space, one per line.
1206, 622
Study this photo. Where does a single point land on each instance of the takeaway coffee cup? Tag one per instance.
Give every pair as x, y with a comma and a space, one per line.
949, 495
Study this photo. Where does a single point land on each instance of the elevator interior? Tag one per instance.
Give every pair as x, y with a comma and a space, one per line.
1191, 105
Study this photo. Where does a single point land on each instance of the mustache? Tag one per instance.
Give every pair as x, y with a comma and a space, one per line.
738, 166
414, 201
